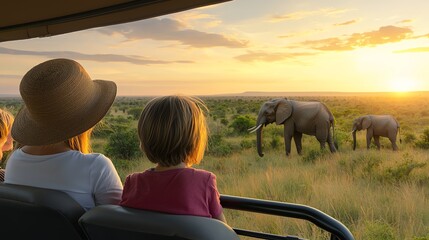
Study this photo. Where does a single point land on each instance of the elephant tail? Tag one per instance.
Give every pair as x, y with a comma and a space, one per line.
333, 135
399, 130
399, 133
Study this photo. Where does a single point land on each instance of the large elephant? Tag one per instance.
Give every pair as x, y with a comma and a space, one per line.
376, 126
311, 118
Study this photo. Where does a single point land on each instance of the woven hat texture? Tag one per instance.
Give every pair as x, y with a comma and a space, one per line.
61, 101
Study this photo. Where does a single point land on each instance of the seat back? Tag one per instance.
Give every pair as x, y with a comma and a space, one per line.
111, 222
37, 213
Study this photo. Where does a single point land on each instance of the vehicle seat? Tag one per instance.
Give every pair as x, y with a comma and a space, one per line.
37, 213
112, 222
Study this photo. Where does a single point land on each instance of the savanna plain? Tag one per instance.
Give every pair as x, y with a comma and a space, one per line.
377, 194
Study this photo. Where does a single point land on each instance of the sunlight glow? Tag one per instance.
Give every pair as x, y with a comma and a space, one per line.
402, 85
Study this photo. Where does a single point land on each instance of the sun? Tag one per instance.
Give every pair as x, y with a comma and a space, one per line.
402, 85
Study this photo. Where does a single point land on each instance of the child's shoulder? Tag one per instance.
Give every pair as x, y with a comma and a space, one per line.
201, 172
137, 175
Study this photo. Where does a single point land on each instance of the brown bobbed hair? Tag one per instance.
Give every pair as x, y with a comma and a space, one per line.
173, 129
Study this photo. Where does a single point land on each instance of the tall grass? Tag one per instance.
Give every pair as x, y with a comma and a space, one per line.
356, 187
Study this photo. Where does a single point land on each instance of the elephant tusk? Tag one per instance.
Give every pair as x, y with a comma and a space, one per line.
254, 130
250, 129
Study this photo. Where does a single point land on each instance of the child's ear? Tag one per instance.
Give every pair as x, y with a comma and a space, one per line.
141, 146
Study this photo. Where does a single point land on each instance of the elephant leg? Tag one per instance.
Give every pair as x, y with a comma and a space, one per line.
368, 138
288, 144
392, 138
377, 141
297, 137
332, 147
289, 131
322, 136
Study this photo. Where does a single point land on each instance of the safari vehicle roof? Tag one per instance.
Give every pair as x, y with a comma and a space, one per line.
23, 19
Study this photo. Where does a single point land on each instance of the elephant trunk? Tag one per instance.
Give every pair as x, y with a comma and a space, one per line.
259, 141
354, 139
259, 123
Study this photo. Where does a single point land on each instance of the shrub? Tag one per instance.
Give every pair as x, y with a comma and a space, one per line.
341, 138
218, 146
409, 138
135, 113
246, 144
241, 123
123, 144
402, 172
312, 155
378, 230
275, 142
224, 121
424, 140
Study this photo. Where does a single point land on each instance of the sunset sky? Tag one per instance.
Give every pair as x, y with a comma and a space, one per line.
248, 45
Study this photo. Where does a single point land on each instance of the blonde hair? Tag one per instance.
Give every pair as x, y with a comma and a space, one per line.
173, 129
6, 121
81, 142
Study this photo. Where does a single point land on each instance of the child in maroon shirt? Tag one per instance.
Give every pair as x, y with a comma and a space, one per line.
173, 134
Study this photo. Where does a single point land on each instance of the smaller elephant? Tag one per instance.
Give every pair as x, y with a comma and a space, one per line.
376, 126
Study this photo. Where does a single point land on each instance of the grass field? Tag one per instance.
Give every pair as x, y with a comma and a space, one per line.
376, 194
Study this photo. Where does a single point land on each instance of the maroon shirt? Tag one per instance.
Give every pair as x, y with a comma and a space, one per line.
185, 191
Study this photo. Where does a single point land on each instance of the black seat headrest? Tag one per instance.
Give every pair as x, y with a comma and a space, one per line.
37, 213
110, 222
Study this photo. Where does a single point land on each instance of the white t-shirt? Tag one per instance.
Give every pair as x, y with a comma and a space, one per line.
90, 179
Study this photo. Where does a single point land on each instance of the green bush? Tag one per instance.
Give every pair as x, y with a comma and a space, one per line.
135, 113
275, 142
123, 144
241, 123
312, 155
342, 138
218, 146
421, 238
402, 172
409, 138
246, 144
378, 230
424, 140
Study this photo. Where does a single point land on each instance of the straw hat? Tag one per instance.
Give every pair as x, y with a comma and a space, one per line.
61, 101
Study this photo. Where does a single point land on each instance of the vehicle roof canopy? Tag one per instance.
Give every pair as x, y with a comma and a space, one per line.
23, 19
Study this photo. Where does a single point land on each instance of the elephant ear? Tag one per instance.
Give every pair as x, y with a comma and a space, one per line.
366, 122
284, 111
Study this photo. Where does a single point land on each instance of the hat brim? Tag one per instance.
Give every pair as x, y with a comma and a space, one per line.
28, 131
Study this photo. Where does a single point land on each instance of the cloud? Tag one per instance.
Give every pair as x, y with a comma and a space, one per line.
413, 50
406, 21
252, 56
8, 76
346, 23
304, 14
384, 35
172, 30
91, 57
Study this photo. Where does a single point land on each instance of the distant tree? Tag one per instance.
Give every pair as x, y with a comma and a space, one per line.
423, 142
224, 121
123, 144
217, 146
409, 138
135, 112
241, 123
